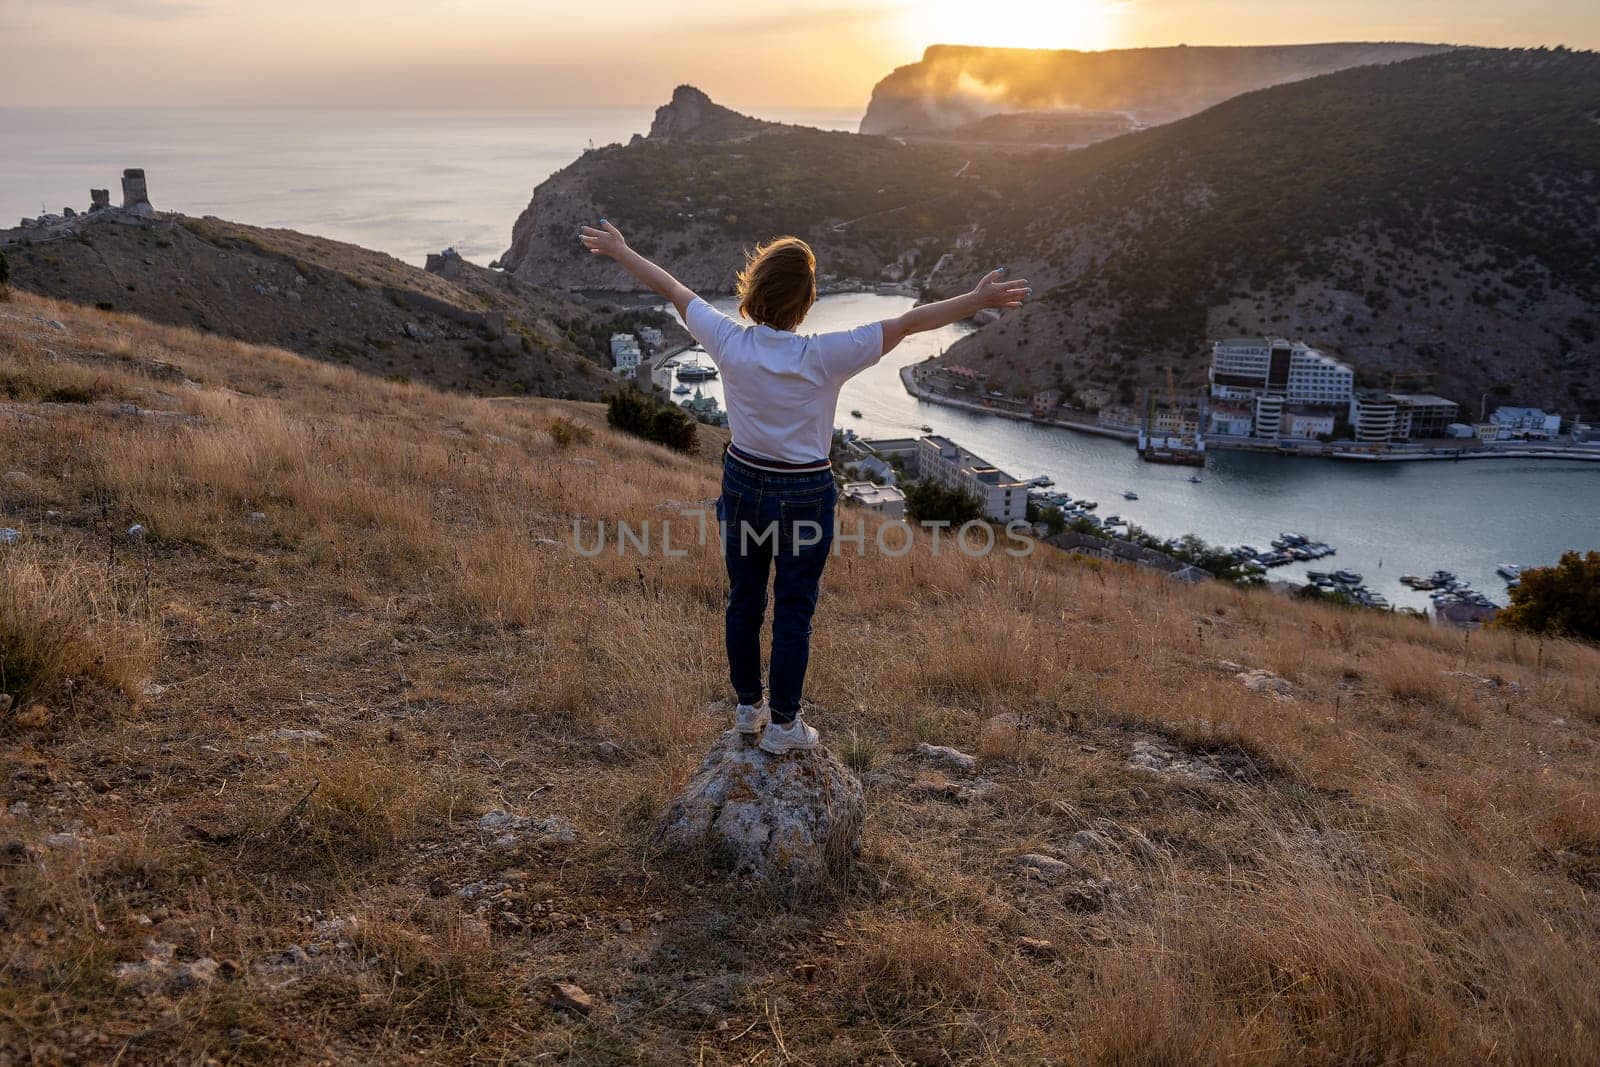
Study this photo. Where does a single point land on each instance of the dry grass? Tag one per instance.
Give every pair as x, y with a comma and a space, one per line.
1400, 866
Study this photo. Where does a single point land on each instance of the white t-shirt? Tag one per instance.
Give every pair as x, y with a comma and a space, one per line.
781, 388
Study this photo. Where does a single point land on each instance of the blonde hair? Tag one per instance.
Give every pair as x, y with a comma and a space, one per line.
779, 283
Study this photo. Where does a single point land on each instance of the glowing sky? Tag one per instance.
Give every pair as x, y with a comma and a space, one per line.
748, 53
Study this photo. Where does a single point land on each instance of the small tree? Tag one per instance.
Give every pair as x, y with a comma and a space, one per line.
667, 424
931, 502
1563, 600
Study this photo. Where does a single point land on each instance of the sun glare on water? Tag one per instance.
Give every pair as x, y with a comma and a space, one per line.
1083, 24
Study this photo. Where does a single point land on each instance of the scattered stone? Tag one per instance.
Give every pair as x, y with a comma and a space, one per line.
568, 997
65, 840
1159, 758
339, 930
17, 478
256, 517
951, 758
148, 973
1093, 894
1045, 868
1268, 683
5, 702
792, 819
136, 532
438, 887
1485, 682
9, 535
1230, 666
195, 973
510, 830
1036, 946
941, 789
608, 750
18, 807
1086, 841
307, 736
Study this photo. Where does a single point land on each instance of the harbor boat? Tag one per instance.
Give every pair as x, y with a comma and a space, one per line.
1347, 577
1195, 479
1129, 494
1044, 481
1088, 505
855, 413
696, 372
1509, 571
925, 428
682, 390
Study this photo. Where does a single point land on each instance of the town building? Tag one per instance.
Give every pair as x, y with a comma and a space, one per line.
1094, 398
1046, 402
625, 354
940, 460
1381, 418
885, 499
1229, 420
1269, 415
1245, 368
1525, 424
1308, 425
874, 469
651, 336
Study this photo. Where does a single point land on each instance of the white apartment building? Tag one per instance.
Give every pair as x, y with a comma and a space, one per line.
1532, 423
1002, 496
941, 460
625, 353
885, 499
1246, 368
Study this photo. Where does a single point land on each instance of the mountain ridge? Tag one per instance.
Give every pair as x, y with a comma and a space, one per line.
953, 85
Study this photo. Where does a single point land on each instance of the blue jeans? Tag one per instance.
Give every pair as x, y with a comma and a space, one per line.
781, 522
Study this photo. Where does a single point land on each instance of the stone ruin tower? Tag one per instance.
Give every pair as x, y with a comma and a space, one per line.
135, 198
99, 199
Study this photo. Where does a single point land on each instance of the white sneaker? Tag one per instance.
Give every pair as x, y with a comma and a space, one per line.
796, 737
751, 718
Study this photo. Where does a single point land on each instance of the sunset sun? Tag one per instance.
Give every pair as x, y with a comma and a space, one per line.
1082, 24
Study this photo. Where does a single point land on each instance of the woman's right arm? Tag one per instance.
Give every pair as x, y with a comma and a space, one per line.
994, 291
608, 241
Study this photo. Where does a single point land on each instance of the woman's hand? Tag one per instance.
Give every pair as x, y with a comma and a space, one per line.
997, 291
606, 241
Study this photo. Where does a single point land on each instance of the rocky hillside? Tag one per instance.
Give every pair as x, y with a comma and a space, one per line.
345, 755
956, 85
708, 183
1436, 220
475, 330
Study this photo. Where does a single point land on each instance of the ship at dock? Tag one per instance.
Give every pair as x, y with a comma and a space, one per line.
1173, 431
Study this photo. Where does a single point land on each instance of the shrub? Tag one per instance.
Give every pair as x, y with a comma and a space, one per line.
666, 424
931, 502
1563, 600
566, 433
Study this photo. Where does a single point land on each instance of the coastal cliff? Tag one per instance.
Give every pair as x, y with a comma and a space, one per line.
708, 183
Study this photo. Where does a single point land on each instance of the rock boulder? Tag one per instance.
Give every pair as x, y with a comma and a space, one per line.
790, 820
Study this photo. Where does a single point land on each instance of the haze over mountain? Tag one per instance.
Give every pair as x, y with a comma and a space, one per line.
954, 85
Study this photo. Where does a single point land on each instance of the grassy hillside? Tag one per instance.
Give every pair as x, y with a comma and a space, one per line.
266, 734
1438, 218
326, 299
